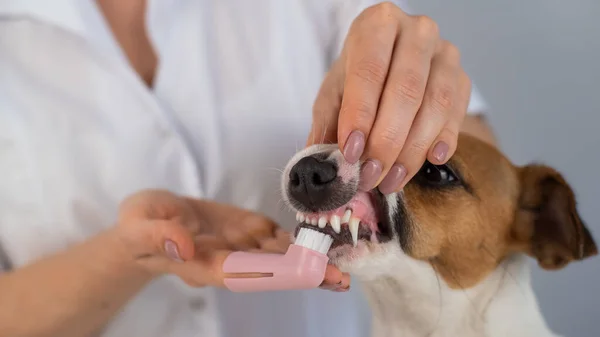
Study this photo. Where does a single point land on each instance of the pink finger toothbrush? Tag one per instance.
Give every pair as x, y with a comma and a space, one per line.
301, 267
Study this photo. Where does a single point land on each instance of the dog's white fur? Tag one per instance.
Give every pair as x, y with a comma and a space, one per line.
409, 299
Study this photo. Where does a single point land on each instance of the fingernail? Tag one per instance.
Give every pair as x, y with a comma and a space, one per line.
342, 290
329, 287
393, 179
172, 251
369, 173
440, 151
355, 145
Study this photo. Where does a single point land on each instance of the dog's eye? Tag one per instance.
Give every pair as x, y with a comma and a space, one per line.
438, 175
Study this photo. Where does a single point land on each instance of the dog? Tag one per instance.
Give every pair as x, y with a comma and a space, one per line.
448, 255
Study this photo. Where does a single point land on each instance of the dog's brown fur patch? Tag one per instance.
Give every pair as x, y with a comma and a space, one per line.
465, 233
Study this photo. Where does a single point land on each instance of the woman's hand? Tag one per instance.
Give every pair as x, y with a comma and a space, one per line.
396, 97
191, 238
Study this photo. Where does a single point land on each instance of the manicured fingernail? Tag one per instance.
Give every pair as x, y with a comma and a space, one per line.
369, 173
393, 179
355, 145
440, 151
172, 250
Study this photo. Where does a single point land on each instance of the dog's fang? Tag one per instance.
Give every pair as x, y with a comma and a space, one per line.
353, 225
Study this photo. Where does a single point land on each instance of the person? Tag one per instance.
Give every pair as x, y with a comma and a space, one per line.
140, 142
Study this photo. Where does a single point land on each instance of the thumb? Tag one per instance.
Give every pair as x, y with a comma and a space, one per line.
326, 107
170, 238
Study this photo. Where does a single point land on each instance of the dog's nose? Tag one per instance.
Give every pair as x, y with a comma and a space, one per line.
311, 181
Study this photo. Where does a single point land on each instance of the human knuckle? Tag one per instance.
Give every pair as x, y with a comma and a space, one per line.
371, 70
442, 98
390, 137
385, 10
361, 110
408, 88
426, 27
450, 51
380, 14
418, 147
387, 7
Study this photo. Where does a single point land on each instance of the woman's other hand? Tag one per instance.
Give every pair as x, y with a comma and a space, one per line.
191, 238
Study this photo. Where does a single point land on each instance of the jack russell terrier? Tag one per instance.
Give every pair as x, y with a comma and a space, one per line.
447, 255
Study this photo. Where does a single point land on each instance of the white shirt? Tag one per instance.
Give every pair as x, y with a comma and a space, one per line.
79, 131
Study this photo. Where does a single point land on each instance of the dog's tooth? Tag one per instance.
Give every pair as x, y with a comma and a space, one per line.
347, 215
313, 221
353, 226
336, 225
299, 217
335, 222
322, 222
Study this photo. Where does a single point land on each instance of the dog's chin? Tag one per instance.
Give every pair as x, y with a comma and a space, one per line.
347, 257
351, 242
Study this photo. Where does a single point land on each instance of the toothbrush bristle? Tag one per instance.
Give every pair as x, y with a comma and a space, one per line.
314, 240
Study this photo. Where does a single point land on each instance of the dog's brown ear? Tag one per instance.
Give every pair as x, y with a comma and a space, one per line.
547, 224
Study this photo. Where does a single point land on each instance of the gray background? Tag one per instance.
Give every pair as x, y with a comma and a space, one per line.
536, 63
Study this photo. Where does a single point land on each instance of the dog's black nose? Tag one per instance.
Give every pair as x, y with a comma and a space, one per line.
311, 182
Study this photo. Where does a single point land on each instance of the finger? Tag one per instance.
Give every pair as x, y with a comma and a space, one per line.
402, 96
446, 142
239, 239
275, 245
335, 279
259, 226
368, 53
171, 239
281, 240
283, 235
436, 109
206, 269
152, 204
327, 106
211, 242
251, 230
